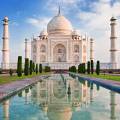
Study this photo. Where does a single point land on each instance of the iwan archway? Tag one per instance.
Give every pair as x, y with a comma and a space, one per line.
59, 53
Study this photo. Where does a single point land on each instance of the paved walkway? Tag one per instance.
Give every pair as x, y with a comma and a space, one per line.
7, 89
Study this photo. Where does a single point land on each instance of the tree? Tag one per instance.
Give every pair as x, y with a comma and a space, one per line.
88, 67
40, 68
11, 72
31, 67
98, 68
47, 69
26, 68
92, 66
83, 68
36, 69
73, 69
19, 66
79, 68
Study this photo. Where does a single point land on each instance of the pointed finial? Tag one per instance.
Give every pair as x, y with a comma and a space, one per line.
59, 12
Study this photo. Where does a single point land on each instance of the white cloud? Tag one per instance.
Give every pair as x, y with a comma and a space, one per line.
39, 23
97, 24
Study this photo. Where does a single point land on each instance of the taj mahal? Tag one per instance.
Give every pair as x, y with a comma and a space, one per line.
60, 46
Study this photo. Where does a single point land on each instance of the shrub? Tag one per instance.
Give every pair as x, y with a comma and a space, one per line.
40, 68
26, 68
0, 71
73, 69
19, 66
47, 69
92, 66
31, 67
88, 67
11, 72
98, 68
36, 70
81, 68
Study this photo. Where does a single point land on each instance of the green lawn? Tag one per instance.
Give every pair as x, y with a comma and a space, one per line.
107, 77
8, 79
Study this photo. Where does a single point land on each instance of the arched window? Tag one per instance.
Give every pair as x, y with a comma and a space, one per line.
59, 53
59, 50
76, 48
34, 48
42, 48
84, 48
34, 58
42, 58
76, 58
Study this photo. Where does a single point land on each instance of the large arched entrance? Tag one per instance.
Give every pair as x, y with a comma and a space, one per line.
59, 53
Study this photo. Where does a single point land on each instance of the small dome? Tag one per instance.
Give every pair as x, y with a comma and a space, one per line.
59, 23
5, 19
75, 32
113, 19
43, 32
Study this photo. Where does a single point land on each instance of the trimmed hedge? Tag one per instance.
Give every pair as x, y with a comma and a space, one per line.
47, 69
98, 68
19, 66
92, 67
26, 68
36, 70
31, 67
88, 67
40, 68
73, 69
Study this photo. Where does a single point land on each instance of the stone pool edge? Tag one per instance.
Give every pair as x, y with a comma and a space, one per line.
23, 84
111, 85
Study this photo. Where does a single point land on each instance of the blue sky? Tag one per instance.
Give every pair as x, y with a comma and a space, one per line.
29, 17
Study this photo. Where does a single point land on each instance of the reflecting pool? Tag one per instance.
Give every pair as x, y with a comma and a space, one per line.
61, 97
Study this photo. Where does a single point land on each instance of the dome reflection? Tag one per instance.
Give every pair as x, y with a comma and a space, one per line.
59, 97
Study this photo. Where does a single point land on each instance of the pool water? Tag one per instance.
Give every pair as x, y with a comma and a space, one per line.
61, 97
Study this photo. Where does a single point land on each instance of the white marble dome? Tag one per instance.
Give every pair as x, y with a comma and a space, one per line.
59, 23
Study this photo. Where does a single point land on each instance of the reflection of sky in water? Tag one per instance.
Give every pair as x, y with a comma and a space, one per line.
49, 100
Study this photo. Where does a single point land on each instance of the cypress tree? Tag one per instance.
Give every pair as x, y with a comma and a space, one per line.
19, 66
40, 68
73, 69
36, 69
92, 66
83, 68
26, 69
31, 67
80, 68
98, 68
88, 67
79, 71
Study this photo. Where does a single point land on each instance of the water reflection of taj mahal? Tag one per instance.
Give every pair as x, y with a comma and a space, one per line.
58, 98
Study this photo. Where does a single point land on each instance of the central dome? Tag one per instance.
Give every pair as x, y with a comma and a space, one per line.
59, 24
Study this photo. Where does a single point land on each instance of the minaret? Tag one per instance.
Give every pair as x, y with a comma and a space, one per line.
27, 49
113, 44
113, 105
6, 105
91, 49
5, 50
